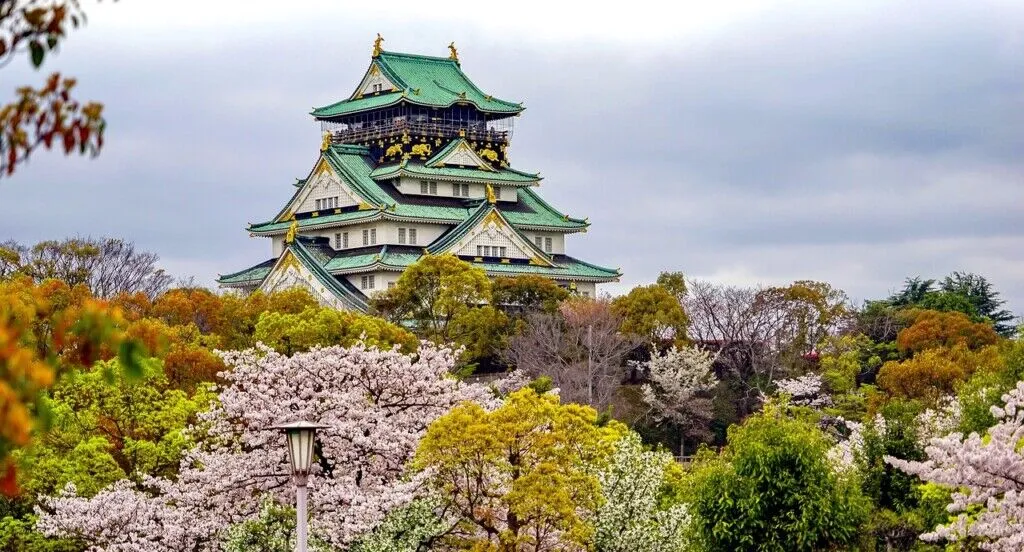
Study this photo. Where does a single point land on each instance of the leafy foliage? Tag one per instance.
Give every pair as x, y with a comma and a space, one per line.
516, 478
772, 489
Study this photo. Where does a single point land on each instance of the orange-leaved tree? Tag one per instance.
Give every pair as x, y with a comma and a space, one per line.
46, 329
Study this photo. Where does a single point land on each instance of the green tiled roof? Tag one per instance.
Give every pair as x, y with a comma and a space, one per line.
566, 268
453, 173
383, 258
355, 165
449, 238
250, 276
311, 259
421, 80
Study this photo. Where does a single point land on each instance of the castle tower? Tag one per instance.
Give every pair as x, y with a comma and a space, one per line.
414, 162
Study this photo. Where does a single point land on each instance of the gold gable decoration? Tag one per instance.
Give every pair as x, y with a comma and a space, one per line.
453, 52
376, 45
293, 231
490, 195
326, 142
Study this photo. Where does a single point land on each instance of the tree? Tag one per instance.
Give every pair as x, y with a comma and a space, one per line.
642, 509
986, 301
46, 330
40, 117
675, 283
432, 293
933, 329
516, 478
107, 266
324, 326
526, 294
104, 431
805, 313
580, 348
184, 306
652, 314
376, 406
676, 391
772, 488
984, 472
934, 373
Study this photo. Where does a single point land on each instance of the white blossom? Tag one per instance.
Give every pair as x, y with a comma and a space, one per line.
630, 519
375, 405
987, 475
805, 390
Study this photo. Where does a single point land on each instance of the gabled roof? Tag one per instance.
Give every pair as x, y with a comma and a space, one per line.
421, 80
312, 257
485, 213
354, 165
458, 152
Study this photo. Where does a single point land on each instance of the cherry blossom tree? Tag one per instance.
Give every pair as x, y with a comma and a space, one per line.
677, 380
375, 405
638, 513
805, 391
987, 475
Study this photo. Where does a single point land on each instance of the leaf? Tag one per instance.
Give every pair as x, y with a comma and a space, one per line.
38, 53
129, 354
51, 42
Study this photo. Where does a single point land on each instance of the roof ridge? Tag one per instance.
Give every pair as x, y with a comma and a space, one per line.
417, 56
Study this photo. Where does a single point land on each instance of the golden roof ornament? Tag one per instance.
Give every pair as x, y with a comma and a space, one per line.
326, 142
454, 52
293, 231
376, 45
490, 195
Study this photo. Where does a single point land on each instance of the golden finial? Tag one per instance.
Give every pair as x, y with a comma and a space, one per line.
454, 55
376, 45
490, 195
293, 230
326, 142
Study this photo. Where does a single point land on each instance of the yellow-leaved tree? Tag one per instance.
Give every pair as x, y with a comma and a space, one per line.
519, 477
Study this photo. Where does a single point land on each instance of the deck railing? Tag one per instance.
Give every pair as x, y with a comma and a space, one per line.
418, 128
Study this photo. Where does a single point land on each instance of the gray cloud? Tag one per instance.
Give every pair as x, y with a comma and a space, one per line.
857, 147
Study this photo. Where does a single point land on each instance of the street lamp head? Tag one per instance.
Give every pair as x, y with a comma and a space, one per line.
300, 444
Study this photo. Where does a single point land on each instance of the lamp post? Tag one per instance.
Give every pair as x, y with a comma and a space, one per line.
300, 452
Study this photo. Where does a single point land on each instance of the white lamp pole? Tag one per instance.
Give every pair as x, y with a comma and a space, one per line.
300, 452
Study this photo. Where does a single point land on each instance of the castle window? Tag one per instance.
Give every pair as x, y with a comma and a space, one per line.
337, 240
378, 87
460, 190
401, 235
367, 282
373, 236
412, 236
539, 241
547, 245
497, 192
428, 187
502, 251
391, 285
344, 240
318, 205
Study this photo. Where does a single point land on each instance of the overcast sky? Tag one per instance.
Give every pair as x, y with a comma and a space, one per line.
852, 142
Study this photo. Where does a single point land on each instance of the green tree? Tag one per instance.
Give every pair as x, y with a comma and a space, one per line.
652, 314
105, 431
985, 300
324, 326
527, 293
432, 293
675, 283
772, 489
